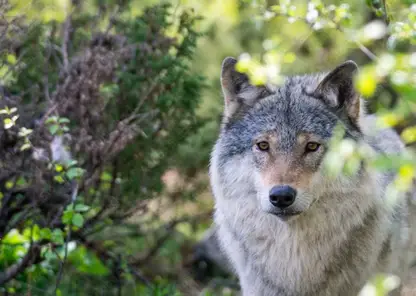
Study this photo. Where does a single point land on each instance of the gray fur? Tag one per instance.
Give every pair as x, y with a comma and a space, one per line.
346, 232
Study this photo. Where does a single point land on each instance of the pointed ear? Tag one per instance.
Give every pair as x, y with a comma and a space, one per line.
237, 90
337, 90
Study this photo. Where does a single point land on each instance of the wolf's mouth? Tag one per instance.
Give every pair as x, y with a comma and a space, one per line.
285, 215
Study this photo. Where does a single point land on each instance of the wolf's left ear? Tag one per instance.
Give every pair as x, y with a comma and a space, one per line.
337, 89
237, 90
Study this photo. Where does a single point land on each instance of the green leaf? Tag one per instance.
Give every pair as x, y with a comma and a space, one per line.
81, 208
59, 168
11, 59
14, 237
25, 146
105, 176
87, 262
8, 123
366, 81
32, 232
59, 179
63, 120
78, 220
69, 207
53, 129
50, 255
57, 236
52, 119
72, 163
9, 184
67, 217
45, 233
21, 181
74, 173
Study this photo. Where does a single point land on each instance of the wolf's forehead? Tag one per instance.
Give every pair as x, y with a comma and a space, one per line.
291, 116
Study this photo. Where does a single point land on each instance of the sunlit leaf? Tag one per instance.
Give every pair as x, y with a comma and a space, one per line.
11, 59
9, 184
58, 168
409, 134
25, 146
8, 123
59, 179
105, 176
14, 237
388, 120
24, 132
366, 82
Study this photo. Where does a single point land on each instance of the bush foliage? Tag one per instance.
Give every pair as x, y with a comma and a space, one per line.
92, 110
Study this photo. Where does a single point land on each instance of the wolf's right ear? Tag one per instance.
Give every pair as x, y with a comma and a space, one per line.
237, 90
338, 91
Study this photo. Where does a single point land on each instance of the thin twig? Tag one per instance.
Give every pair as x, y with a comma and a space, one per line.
366, 51
65, 42
361, 46
68, 238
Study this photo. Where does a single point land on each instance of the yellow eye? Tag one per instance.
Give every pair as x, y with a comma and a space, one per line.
312, 146
263, 146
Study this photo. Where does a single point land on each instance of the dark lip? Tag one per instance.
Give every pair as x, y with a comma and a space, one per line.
284, 215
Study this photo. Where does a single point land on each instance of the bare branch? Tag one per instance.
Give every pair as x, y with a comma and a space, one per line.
66, 33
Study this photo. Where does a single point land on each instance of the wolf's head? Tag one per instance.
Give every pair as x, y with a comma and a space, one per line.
282, 134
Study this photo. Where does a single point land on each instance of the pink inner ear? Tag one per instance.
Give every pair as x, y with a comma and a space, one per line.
354, 108
225, 88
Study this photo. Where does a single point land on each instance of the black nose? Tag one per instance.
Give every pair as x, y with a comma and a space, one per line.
282, 196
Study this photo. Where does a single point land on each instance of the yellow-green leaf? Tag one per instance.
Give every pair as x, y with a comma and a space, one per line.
407, 171
8, 123
14, 237
11, 59
388, 120
25, 146
289, 57
59, 179
409, 134
366, 82
9, 184
58, 168
258, 77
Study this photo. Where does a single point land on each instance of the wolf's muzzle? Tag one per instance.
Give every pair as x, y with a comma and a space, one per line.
282, 196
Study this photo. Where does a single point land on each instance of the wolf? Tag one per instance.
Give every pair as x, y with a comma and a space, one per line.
287, 226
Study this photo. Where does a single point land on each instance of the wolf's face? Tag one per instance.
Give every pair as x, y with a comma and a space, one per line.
284, 133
